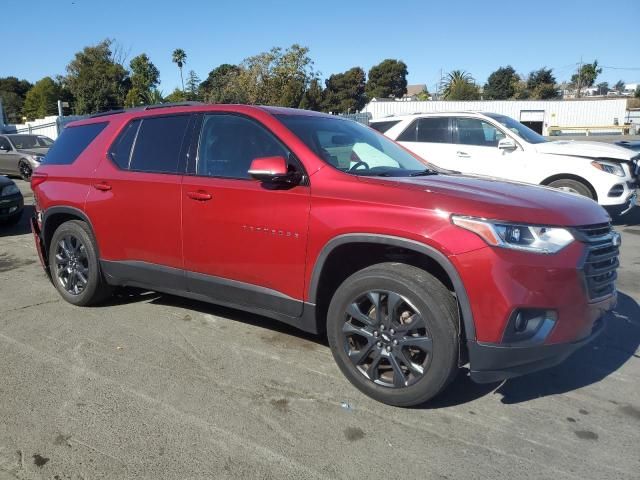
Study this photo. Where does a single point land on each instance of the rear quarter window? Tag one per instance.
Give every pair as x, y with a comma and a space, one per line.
71, 143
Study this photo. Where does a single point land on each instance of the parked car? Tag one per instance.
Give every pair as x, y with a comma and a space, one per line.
11, 201
20, 154
410, 271
498, 146
631, 144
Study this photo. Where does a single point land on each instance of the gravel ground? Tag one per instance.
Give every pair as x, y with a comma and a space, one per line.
153, 386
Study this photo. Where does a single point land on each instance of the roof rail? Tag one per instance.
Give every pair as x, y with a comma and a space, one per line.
169, 105
103, 114
145, 107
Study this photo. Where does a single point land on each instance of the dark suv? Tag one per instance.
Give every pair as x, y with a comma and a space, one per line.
329, 226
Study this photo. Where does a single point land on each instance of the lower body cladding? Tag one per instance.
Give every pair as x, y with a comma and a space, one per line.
530, 311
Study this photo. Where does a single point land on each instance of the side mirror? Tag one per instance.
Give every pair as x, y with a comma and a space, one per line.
507, 144
273, 170
5, 148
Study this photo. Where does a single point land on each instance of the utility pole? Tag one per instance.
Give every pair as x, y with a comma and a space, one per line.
579, 77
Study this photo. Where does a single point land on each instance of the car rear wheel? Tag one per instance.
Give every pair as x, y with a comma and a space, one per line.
74, 265
393, 330
573, 186
25, 170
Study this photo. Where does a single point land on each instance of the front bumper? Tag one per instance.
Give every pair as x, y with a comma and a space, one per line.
494, 363
11, 206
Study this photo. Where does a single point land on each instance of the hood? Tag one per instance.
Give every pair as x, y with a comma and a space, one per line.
34, 151
4, 181
585, 149
501, 200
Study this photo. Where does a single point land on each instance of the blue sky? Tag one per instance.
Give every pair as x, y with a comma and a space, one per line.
477, 36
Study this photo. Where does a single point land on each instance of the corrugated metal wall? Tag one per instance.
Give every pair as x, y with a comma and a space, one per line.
556, 112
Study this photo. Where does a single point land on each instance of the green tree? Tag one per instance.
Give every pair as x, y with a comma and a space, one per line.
586, 75
345, 92
42, 99
460, 85
501, 84
221, 85
277, 77
179, 57
619, 86
637, 94
387, 79
603, 88
145, 77
12, 94
313, 97
541, 84
176, 96
424, 95
193, 86
96, 80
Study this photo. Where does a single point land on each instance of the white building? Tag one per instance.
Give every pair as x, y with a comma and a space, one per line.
537, 114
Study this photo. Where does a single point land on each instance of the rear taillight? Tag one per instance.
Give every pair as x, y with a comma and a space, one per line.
37, 178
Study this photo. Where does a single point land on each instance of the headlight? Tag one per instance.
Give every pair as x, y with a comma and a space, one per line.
37, 158
613, 168
530, 238
10, 190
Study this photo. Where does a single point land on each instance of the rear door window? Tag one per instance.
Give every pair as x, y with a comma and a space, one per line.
71, 143
434, 130
158, 144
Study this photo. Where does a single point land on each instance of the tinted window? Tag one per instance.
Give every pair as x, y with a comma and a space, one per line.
120, 151
229, 143
71, 143
473, 131
158, 144
4, 143
409, 135
434, 130
384, 126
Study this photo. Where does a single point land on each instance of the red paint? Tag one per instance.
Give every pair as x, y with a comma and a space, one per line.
240, 230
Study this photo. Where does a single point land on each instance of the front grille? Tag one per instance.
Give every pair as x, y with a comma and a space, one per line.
601, 260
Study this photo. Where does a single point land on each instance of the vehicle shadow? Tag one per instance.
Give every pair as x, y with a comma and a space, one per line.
21, 228
127, 295
611, 350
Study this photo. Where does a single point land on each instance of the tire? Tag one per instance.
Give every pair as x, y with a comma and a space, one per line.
25, 170
426, 356
13, 219
574, 186
74, 265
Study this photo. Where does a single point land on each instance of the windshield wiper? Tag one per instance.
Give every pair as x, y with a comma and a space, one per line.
423, 173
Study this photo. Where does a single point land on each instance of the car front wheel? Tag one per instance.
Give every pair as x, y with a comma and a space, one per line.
393, 330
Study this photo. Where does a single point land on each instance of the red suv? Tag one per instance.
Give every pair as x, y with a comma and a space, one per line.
329, 226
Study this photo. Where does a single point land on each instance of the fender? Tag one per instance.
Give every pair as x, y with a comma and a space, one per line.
435, 255
76, 212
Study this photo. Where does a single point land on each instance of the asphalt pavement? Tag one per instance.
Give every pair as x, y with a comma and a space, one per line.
154, 386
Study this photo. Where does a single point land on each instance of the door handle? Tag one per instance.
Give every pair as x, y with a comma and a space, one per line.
199, 195
102, 186
462, 154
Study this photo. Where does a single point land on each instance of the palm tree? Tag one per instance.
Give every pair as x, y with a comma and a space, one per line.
179, 57
455, 79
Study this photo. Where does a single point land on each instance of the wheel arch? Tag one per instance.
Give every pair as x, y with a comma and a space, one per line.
570, 176
437, 263
53, 217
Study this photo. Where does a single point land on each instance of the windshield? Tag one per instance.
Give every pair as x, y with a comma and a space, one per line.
30, 141
519, 129
354, 148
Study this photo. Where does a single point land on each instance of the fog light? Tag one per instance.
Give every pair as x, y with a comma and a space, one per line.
529, 326
616, 190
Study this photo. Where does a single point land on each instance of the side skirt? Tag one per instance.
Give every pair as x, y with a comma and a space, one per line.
211, 289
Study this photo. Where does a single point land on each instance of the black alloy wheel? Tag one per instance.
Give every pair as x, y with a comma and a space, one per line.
72, 264
386, 339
